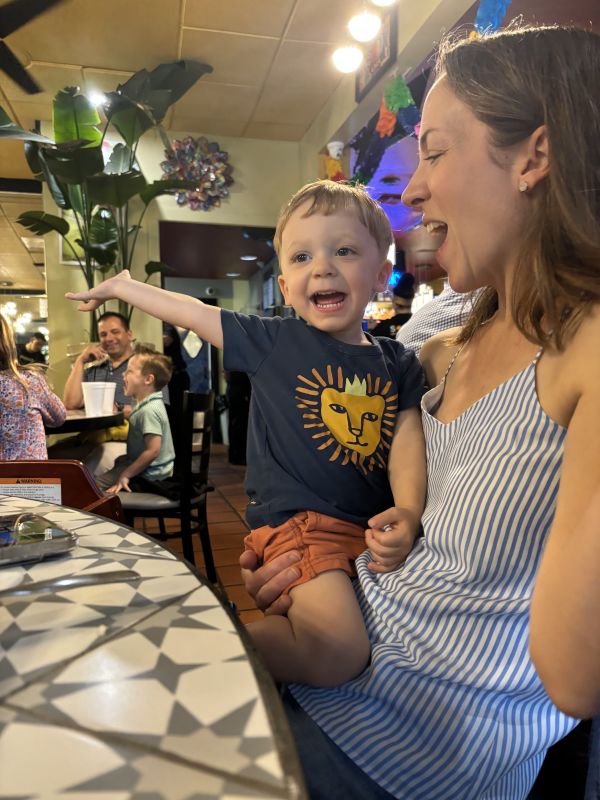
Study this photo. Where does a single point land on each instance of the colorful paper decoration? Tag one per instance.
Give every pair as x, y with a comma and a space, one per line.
398, 116
202, 161
490, 15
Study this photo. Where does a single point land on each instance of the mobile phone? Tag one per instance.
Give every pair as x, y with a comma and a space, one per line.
31, 537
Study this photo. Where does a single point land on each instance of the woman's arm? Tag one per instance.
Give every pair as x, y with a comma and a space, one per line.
565, 615
50, 405
565, 611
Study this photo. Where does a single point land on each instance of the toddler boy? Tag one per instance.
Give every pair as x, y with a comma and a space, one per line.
150, 453
334, 432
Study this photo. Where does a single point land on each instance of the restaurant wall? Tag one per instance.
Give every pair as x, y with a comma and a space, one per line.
265, 173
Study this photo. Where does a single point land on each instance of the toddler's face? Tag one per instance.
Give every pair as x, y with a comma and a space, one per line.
331, 268
133, 378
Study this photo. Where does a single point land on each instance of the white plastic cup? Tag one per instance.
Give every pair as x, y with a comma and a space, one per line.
98, 398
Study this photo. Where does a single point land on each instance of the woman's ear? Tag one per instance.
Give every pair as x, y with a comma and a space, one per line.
536, 162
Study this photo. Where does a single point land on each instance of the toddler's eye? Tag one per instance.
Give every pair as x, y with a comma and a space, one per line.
345, 251
300, 258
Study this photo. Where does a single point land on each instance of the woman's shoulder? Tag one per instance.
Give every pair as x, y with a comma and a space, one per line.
437, 352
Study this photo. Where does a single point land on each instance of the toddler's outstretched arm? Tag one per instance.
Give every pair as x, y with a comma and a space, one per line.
178, 309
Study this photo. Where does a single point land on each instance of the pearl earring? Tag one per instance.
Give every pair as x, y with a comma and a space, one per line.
523, 186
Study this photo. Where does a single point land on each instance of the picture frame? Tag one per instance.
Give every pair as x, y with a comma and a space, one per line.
380, 55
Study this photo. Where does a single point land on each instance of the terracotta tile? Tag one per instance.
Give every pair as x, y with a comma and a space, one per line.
241, 598
250, 616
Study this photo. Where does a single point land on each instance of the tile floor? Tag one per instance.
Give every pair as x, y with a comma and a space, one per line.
227, 529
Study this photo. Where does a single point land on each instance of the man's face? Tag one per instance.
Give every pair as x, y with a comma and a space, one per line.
114, 338
35, 345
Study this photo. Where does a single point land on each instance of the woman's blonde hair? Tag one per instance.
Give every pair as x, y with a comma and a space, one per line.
328, 197
8, 353
514, 81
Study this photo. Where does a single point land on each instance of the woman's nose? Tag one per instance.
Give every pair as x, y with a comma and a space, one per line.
416, 191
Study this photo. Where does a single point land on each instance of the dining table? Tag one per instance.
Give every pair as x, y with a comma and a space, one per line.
78, 421
124, 674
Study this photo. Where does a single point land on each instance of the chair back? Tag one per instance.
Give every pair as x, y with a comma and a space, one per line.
193, 449
78, 488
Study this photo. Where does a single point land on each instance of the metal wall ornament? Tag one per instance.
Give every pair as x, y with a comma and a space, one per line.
201, 161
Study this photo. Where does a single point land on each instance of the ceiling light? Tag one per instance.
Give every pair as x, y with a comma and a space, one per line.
383, 2
248, 258
96, 98
347, 59
364, 26
232, 274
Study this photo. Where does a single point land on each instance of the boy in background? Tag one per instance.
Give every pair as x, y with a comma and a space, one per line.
150, 453
335, 441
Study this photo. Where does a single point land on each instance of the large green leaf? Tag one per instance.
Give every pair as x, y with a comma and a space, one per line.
156, 266
158, 188
76, 199
103, 254
41, 223
177, 77
103, 229
74, 117
115, 190
74, 165
34, 153
130, 118
119, 161
8, 130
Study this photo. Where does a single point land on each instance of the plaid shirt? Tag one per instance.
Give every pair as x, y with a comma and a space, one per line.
447, 310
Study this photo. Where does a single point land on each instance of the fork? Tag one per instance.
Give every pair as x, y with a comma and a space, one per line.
70, 582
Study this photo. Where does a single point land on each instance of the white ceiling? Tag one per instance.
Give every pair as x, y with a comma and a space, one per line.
272, 74
271, 59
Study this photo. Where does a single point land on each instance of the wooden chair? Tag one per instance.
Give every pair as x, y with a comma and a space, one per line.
190, 484
78, 489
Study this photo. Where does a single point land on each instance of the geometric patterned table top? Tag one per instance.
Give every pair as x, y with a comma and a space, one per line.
140, 689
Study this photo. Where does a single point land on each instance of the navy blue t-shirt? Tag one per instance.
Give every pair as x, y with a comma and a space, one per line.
322, 417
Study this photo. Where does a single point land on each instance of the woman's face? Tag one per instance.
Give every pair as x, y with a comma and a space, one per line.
468, 199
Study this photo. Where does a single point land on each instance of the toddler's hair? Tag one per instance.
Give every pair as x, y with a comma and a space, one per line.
153, 363
328, 197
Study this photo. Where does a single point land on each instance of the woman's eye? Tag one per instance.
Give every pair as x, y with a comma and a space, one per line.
433, 157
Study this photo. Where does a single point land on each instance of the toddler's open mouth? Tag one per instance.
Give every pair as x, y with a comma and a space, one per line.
328, 301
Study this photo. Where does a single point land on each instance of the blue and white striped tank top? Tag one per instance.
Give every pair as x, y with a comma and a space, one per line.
451, 707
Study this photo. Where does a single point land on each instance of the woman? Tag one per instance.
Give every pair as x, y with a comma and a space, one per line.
451, 705
26, 405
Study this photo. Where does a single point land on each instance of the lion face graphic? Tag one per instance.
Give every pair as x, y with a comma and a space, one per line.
354, 419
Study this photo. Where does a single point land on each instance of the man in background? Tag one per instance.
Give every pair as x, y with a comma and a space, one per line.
106, 361
31, 352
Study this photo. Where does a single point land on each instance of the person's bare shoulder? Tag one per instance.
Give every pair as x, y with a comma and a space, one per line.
436, 353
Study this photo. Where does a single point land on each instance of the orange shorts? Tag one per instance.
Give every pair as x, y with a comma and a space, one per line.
324, 543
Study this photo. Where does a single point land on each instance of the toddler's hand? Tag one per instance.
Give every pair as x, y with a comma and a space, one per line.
107, 290
390, 538
121, 484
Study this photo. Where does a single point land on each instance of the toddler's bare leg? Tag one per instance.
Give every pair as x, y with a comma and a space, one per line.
323, 641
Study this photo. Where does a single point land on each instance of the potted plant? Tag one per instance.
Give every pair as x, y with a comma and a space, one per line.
107, 199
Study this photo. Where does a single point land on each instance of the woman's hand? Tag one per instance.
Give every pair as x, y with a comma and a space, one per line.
266, 583
390, 538
107, 290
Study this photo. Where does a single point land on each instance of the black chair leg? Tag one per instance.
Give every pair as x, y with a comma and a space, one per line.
186, 536
162, 528
209, 562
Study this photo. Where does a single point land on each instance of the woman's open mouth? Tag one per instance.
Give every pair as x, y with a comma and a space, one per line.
328, 301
